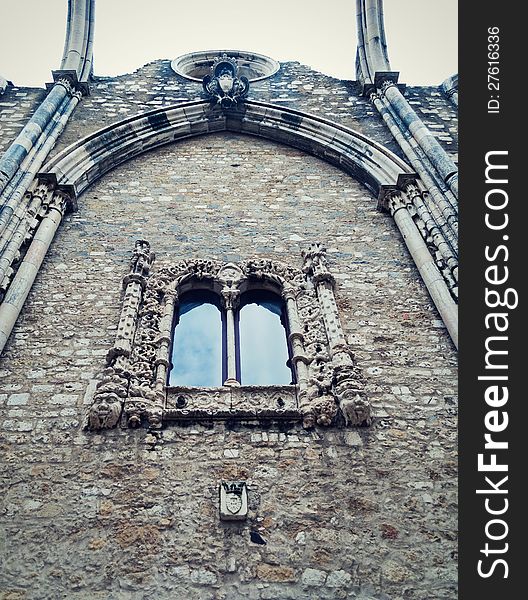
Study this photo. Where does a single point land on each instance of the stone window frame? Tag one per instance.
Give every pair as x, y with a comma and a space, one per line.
134, 390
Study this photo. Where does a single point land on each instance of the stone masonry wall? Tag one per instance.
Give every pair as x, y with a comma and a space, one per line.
367, 514
294, 86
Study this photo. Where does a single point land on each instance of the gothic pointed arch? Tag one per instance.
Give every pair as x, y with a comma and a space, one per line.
85, 161
388, 177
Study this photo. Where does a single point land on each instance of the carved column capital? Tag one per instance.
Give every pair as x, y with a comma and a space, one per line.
230, 298
60, 201
171, 296
385, 85
412, 190
394, 201
67, 83
290, 292
42, 189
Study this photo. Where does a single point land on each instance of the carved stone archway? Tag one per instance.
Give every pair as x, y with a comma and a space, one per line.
388, 177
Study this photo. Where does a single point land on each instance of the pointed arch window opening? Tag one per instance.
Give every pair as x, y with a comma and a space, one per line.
200, 342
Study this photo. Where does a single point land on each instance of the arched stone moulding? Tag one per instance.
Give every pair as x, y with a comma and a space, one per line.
134, 387
87, 160
435, 167
372, 56
72, 77
77, 57
30, 212
84, 162
370, 163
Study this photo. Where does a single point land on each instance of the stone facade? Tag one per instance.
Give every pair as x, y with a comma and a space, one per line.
333, 512
341, 510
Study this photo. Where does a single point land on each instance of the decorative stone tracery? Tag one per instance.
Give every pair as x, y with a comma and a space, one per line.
134, 385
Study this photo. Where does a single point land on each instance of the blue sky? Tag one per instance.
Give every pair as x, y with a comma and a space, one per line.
197, 348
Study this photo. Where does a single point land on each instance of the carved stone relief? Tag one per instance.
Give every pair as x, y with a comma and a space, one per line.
223, 85
134, 385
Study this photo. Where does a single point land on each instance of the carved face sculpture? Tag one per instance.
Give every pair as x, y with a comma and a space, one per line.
104, 414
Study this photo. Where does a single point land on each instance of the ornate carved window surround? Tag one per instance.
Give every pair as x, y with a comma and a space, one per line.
134, 390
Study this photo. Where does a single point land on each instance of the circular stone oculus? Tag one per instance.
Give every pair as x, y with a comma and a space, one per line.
196, 65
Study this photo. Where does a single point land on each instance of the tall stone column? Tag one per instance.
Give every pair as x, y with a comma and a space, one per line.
162, 363
399, 206
299, 359
442, 251
27, 138
112, 390
439, 158
442, 203
296, 338
29, 267
12, 240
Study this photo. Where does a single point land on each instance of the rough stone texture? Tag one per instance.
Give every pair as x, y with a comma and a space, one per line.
366, 514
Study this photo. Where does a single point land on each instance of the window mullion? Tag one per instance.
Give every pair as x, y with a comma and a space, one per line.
231, 300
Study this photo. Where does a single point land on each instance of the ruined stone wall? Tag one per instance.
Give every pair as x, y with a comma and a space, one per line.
294, 86
359, 513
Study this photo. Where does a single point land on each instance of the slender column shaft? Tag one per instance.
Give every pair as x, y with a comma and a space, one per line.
25, 140
17, 187
18, 236
231, 299
162, 362
443, 213
446, 200
134, 283
299, 358
432, 230
27, 272
436, 154
428, 270
231, 355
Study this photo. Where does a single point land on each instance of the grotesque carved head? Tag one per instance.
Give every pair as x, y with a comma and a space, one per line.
105, 412
356, 410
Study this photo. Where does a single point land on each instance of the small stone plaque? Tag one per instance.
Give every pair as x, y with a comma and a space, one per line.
233, 500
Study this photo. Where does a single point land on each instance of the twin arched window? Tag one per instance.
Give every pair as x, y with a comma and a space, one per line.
207, 351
